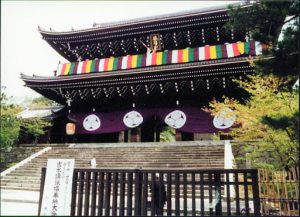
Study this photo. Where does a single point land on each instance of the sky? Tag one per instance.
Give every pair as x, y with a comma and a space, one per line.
24, 51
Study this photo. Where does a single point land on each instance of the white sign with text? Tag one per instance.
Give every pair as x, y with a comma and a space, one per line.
58, 187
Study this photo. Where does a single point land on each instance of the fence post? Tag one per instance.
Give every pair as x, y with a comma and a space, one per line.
42, 189
137, 193
256, 200
218, 196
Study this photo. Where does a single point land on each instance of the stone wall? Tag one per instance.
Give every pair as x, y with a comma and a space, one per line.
15, 155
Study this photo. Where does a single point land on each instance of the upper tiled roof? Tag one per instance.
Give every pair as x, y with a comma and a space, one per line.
163, 17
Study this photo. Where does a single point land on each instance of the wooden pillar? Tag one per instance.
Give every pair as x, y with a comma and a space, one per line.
157, 134
135, 135
178, 136
126, 136
121, 136
49, 134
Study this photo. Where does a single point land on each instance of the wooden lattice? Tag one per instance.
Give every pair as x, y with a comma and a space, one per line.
279, 192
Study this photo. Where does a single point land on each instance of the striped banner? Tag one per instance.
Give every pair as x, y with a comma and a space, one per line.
207, 52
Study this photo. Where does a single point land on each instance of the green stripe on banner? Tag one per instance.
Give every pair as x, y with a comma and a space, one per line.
219, 51
191, 54
247, 47
93, 66
115, 63
165, 57
139, 60
70, 72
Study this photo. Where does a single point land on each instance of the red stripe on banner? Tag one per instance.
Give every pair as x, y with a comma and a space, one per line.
106, 64
120, 63
97, 65
207, 52
129, 60
180, 56
63, 68
235, 49
153, 60
144, 59
84, 66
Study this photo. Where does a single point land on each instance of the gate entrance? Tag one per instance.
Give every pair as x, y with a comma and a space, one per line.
106, 192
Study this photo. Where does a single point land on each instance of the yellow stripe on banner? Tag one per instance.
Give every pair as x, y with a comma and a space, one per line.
241, 47
110, 64
185, 55
88, 66
158, 58
134, 61
68, 66
213, 52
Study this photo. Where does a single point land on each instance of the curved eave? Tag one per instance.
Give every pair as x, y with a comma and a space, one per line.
162, 19
132, 72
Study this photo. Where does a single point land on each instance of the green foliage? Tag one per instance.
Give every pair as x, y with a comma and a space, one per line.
41, 102
269, 117
10, 127
167, 135
35, 127
10, 124
265, 20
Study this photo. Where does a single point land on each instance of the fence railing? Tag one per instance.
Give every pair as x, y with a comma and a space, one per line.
105, 192
279, 192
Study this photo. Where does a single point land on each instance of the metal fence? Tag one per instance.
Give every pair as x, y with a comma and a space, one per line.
105, 192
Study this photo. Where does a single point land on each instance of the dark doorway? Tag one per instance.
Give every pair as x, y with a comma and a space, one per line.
187, 136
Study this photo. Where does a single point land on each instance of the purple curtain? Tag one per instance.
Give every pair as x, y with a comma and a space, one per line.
197, 121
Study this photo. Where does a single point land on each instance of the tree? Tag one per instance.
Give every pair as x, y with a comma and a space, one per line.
35, 127
167, 134
270, 118
41, 102
265, 20
10, 124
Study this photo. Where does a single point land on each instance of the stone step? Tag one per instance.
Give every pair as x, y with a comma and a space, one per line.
124, 159
23, 185
21, 188
113, 152
33, 181
130, 160
27, 177
24, 177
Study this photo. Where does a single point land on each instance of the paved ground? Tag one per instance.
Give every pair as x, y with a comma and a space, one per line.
15, 202
25, 203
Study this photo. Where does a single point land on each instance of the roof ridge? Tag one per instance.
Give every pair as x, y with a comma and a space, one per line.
98, 26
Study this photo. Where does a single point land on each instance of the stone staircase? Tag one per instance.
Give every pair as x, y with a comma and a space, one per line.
196, 155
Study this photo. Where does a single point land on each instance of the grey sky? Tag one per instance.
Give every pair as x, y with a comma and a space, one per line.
23, 49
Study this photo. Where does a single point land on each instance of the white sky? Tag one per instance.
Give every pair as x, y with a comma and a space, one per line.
24, 50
